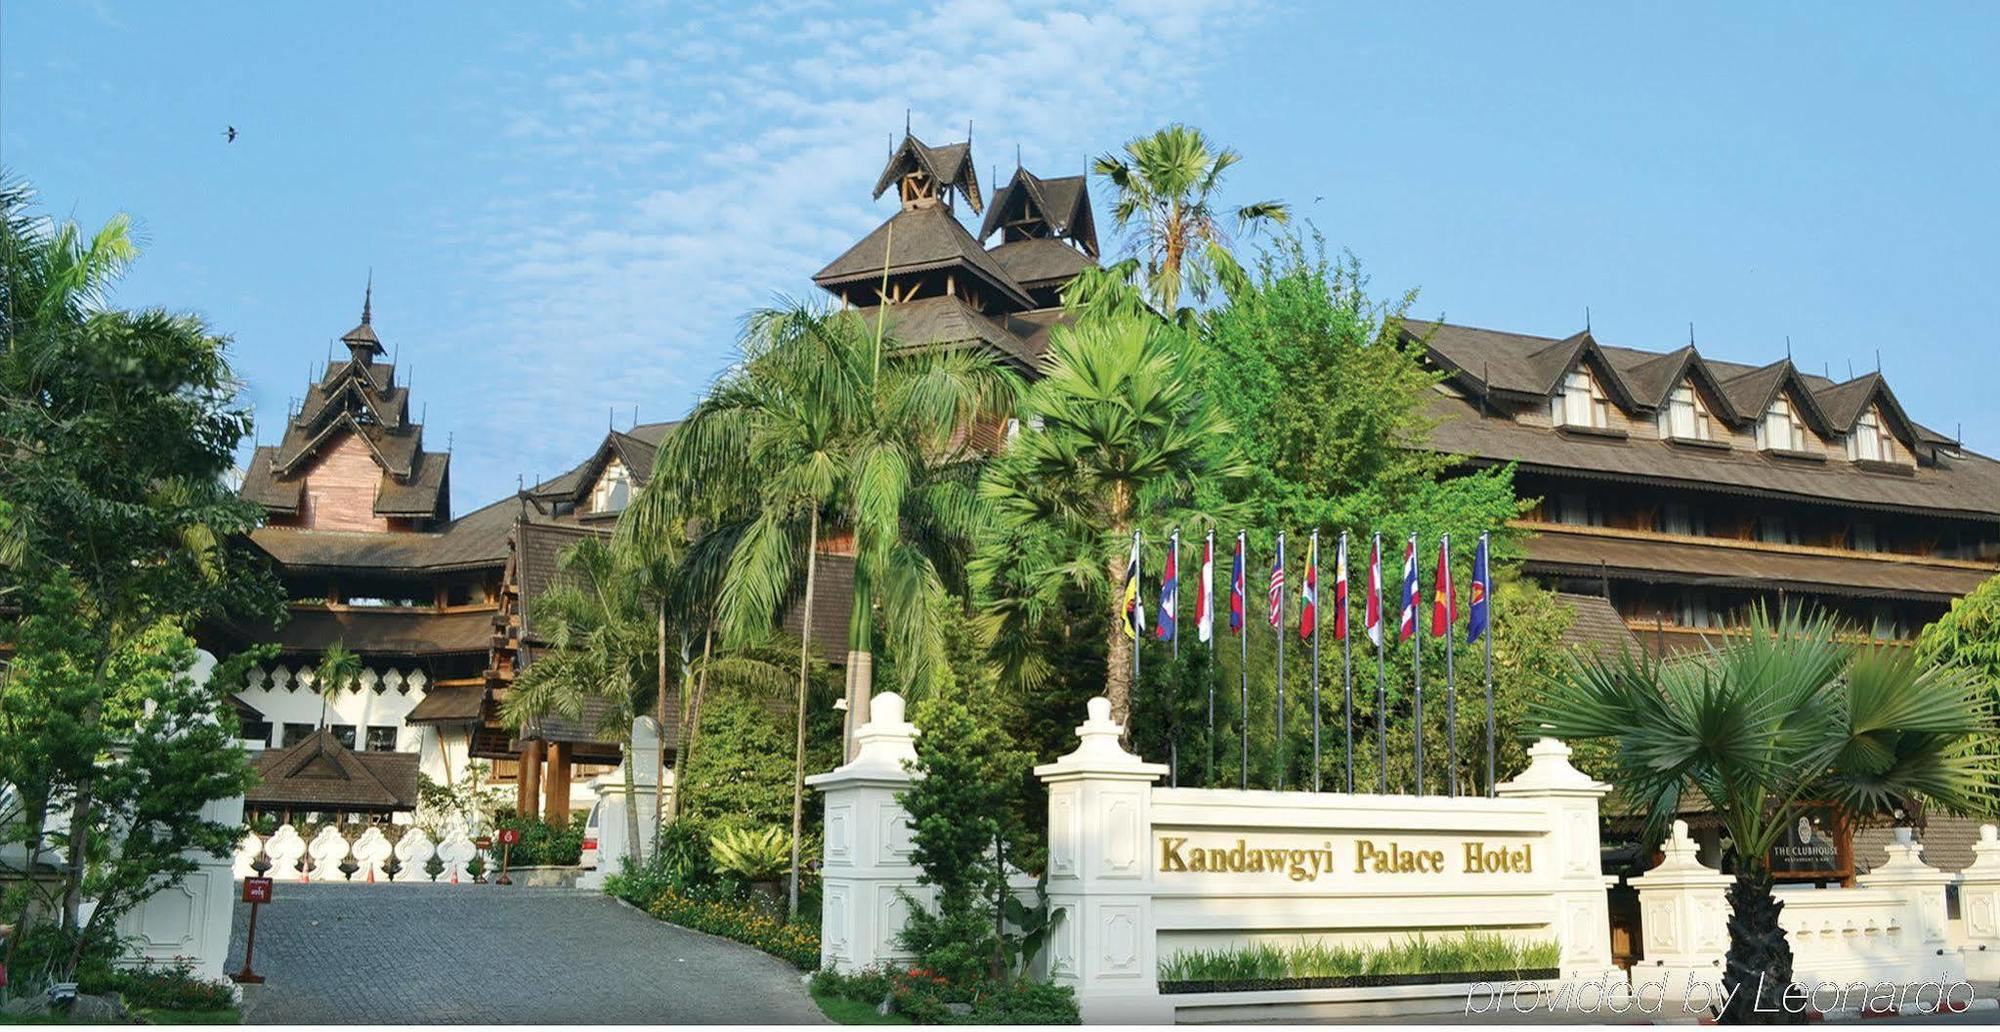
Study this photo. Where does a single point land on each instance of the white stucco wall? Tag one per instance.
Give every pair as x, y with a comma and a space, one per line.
383, 697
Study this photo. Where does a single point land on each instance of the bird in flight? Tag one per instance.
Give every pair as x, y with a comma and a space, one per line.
229, 135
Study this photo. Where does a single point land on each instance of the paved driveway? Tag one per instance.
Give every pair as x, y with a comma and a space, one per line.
399, 954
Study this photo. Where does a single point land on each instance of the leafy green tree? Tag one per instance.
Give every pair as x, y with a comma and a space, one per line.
1967, 637
1117, 430
120, 428
1755, 729
820, 428
1163, 194
741, 776
338, 667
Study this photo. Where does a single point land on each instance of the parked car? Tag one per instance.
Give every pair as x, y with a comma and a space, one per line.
588, 859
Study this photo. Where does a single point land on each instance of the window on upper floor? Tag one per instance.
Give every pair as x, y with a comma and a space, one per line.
1871, 439
1580, 402
1575, 509
296, 733
1861, 536
1780, 429
1684, 416
1774, 529
1681, 518
381, 738
613, 491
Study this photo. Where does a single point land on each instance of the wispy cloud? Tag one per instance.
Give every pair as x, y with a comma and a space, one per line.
670, 177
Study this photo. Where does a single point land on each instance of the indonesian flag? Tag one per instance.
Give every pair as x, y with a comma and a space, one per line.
1236, 587
1204, 597
1444, 597
1170, 592
1410, 597
1309, 596
1276, 596
1374, 616
1340, 590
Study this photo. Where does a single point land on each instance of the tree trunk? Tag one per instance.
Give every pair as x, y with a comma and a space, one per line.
860, 659
1118, 658
691, 724
79, 827
1758, 967
799, 748
660, 725
632, 846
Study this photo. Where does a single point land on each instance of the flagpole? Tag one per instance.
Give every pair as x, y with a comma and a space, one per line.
1416, 658
1208, 585
1312, 580
1450, 683
1485, 546
1346, 663
1138, 603
1278, 566
1243, 642
1173, 685
1381, 665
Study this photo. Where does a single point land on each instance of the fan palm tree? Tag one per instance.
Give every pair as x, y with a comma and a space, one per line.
338, 667
1754, 730
600, 631
1164, 187
1117, 431
815, 432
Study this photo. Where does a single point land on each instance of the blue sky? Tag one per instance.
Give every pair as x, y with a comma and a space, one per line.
567, 208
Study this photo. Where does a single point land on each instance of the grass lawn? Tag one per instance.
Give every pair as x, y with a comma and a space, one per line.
843, 1011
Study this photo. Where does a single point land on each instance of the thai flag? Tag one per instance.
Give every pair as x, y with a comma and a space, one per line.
1480, 604
1309, 595
1410, 597
1276, 596
1204, 597
1236, 588
1444, 597
1340, 590
1374, 617
1170, 590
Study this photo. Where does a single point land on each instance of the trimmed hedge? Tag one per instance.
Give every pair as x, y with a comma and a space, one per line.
744, 922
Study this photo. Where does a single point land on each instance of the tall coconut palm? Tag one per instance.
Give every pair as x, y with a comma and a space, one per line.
338, 667
824, 427
1164, 187
1756, 728
1116, 431
600, 632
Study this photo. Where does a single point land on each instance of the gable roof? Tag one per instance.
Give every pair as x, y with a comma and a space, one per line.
1061, 205
950, 165
1752, 393
320, 773
917, 240
1041, 261
948, 321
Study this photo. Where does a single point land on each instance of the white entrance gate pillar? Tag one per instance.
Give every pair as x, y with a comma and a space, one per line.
1684, 916
1582, 922
866, 869
1103, 942
1979, 902
1923, 889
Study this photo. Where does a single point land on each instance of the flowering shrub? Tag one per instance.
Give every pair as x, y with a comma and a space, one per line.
744, 922
925, 996
172, 987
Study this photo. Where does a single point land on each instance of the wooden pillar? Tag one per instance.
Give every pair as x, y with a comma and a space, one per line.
559, 761
528, 784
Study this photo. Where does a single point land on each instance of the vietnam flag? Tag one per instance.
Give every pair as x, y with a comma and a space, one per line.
1444, 597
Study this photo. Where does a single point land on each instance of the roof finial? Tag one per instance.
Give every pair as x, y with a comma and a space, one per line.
1878, 360
1788, 346
368, 298
1017, 158
968, 136
906, 121
1690, 334
1586, 318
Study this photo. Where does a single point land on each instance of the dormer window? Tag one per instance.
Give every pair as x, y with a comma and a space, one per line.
1871, 440
614, 489
1580, 403
1684, 416
1780, 429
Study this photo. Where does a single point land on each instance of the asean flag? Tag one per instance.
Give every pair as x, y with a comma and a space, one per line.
1479, 618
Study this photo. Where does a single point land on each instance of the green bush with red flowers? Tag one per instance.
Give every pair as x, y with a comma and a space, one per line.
927, 996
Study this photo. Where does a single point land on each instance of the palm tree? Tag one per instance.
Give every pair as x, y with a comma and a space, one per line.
338, 667
1117, 431
600, 631
813, 432
1164, 194
1756, 728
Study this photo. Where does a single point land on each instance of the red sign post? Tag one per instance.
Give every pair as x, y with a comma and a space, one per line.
256, 892
508, 836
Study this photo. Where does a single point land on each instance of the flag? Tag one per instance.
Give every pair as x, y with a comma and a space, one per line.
1133, 614
1340, 591
1236, 589
1309, 595
1170, 589
1374, 617
1204, 597
1480, 605
1410, 598
1276, 595
1444, 595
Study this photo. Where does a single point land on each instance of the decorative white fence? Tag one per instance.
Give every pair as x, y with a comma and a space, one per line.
360, 853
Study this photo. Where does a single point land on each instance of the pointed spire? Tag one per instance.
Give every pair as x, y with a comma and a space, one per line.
361, 340
368, 299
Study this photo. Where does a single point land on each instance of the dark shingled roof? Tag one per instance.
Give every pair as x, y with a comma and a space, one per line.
925, 239
1968, 485
418, 495
476, 539
1061, 206
319, 773
449, 704
1597, 627
387, 630
260, 485
1724, 564
948, 321
1038, 261
950, 164
636, 448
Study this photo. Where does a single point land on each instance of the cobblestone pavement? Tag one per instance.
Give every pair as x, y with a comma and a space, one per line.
403, 954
